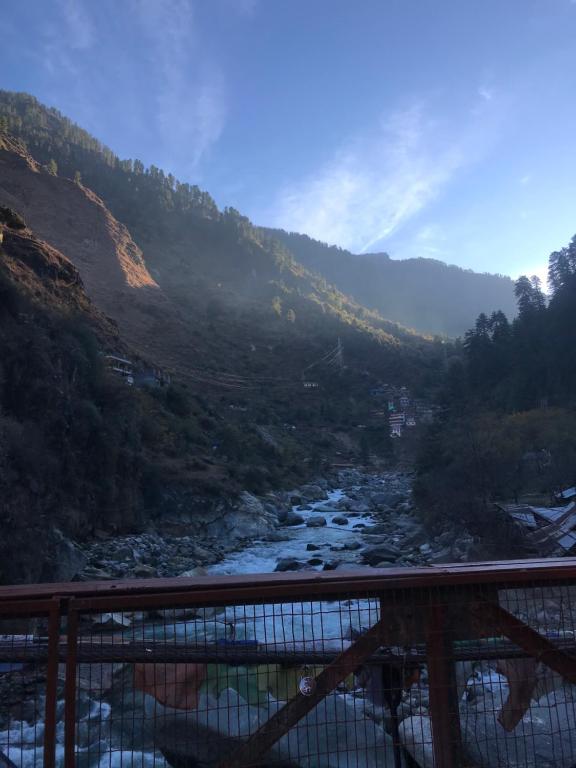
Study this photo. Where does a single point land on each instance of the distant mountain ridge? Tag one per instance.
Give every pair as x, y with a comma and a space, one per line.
164, 215
425, 294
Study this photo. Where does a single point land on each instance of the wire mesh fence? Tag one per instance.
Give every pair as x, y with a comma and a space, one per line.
465, 666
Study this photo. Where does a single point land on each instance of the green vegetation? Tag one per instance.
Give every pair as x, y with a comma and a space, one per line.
509, 416
419, 293
79, 449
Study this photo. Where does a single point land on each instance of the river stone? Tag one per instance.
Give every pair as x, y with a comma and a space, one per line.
293, 518
322, 738
374, 555
315, 561
142, 571
312, 493
122, 554
378, 529
544, 738
443, 555
416, 736
288, 564
312, 547
316, 522
383, 498
340, 520
275, 536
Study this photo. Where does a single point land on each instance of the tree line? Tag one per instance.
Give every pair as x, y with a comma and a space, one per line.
508, 424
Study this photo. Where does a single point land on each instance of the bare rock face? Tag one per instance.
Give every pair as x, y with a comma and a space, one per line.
65, 560
248, 519
11, 219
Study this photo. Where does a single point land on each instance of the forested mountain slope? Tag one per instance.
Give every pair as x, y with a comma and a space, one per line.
250, 309
124, 260
74, 451
508, 429
424, 294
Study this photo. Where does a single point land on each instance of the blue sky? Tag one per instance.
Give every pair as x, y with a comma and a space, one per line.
440, 128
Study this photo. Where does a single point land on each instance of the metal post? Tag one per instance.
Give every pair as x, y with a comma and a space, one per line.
70, 690
443, 693
51, 685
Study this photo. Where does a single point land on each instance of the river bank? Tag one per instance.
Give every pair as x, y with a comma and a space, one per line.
348, 520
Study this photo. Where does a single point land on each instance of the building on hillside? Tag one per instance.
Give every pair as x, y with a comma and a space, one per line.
121, 367
546, 531
310, 385
568, 495
397, 422
152, 377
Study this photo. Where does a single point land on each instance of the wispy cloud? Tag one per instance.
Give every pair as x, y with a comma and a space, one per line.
78, 27
188, 88
486, 93
70, 33
373, 184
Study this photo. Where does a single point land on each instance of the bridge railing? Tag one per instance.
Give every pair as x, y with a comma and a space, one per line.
462, 665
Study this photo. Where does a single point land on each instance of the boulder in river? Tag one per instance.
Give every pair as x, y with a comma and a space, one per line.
381, 552
312, 493
340, 520
312, 547
316, 522
288, 564
276, 536
386, 499
293, 518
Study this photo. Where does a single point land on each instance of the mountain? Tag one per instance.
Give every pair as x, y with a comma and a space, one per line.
424, 294
104, 257
212, 296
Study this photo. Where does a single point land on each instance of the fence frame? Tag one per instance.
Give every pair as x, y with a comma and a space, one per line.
69, 601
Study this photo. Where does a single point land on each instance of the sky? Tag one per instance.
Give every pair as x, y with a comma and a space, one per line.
436, 128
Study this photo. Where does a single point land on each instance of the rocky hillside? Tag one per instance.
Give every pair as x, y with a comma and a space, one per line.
80, 452
424, 294
247, 305
124, 260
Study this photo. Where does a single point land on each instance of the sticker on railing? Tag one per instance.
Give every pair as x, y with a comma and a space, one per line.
307, 685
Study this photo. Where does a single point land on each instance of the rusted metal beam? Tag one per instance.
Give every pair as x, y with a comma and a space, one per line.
225, 590
494, 619
70, 691
280, 723
444, 713
51, 685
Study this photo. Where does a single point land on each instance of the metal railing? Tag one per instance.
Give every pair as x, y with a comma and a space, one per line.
463, 665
